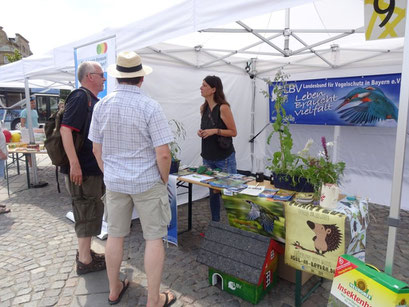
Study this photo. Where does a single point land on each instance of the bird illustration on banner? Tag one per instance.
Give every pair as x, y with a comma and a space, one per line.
374, 106
265, 218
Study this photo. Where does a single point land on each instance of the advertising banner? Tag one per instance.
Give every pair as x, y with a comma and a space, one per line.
315, 238
384, 19
351, 101
102, 52
173, 227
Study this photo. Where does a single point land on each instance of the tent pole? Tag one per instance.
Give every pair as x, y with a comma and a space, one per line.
337, 132
394, 211
29, 122
252, 75
29, 125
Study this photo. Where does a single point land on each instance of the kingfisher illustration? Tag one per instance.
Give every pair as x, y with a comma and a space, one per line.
374, 106
265, 218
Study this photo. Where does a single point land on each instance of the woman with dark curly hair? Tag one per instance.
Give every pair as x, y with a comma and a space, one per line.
216, 130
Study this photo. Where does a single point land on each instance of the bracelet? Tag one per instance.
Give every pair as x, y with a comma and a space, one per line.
218, 132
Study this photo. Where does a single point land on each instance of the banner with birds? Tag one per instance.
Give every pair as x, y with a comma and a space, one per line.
351, 101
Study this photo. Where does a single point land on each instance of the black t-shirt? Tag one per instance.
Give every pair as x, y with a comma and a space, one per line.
210, 148
75, 117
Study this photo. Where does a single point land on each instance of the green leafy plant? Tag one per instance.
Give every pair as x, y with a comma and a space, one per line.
319, 170
179, 134
283, 161
316, 171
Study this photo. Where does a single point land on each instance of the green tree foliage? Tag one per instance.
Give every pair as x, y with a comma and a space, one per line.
14, 57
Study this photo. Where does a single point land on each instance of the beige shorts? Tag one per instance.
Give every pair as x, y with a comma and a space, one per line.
152, 206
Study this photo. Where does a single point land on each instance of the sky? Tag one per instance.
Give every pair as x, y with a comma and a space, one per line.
47, 24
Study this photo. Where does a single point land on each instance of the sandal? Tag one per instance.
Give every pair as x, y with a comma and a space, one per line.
167, 301
124, 287
4, 210
95, 256
93, 266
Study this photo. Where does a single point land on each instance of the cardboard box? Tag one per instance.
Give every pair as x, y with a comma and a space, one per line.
356, 284
288, 273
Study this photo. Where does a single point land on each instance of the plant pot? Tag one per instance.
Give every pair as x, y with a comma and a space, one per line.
174, 166
284, 181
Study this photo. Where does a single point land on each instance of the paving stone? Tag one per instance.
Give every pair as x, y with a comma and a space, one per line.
48, 301
21, 299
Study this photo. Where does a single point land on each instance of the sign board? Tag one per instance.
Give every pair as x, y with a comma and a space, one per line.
102, 52
351, 101
384, 19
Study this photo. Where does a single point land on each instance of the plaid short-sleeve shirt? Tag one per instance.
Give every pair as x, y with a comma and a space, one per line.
129, 125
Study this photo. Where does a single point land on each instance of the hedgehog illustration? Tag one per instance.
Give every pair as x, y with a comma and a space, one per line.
327, 237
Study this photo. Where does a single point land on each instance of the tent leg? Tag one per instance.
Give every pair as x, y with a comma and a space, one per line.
398, 167
253, 108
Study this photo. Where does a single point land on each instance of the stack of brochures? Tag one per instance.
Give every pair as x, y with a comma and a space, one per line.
269, 193
196, 177
304, 198
253, 190
283, 195
228, 183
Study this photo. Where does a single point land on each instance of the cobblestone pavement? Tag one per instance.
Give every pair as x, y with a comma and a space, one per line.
38, 246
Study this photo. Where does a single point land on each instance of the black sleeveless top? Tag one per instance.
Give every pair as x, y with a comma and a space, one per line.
210, 149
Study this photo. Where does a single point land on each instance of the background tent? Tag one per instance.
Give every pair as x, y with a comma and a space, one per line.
238, 39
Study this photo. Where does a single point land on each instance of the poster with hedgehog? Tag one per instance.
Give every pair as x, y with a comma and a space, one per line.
315, 238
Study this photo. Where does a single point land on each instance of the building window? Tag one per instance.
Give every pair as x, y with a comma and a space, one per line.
6, 60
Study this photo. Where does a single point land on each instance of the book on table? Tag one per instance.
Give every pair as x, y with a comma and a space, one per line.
253, 190
283, 195
227, 183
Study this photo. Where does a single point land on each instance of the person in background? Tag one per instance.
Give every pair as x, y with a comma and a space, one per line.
130, 135
3, 160
34, 114
61, 105
217, 120
83, 176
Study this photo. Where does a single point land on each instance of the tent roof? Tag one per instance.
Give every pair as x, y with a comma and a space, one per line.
311, 36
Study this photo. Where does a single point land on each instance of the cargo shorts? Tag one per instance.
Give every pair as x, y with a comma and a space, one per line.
152, 207
87, 206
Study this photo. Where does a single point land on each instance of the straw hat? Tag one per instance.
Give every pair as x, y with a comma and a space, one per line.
128, 65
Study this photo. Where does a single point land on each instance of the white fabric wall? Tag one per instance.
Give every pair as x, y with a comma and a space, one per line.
178, 91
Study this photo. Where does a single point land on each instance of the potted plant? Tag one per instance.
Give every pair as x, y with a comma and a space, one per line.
291, 171
320, 170
179, 134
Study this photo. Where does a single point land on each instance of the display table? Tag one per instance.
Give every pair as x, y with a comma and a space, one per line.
301, 226
15, 152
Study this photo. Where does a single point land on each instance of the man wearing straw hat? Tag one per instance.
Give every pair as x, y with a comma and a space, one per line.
130, 135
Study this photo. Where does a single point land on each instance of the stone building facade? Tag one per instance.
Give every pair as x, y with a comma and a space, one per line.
8, 45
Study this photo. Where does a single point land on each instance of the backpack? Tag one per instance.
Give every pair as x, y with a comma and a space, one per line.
53, 141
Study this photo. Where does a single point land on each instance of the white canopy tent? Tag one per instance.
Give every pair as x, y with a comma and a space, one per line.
240, 38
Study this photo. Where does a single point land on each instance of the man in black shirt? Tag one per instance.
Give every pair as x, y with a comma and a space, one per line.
84, 178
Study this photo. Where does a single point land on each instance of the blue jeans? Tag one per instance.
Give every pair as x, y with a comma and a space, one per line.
227, 165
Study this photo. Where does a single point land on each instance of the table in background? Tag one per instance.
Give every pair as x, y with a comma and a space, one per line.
25, 153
